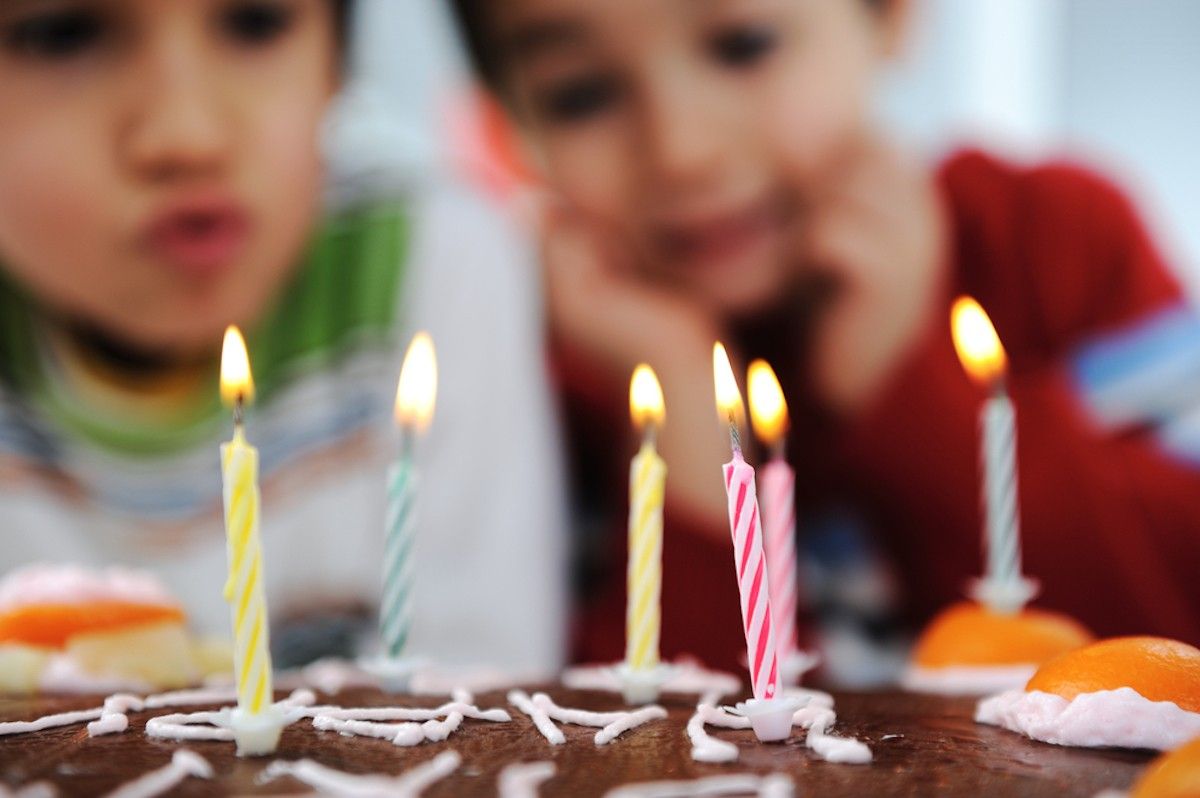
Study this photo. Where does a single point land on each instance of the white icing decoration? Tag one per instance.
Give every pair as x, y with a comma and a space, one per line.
409, 714
218, 725
45, 583
183, 698
966, 679
50, 721
541, 720
630, 720
403, 734
325, 779
776, 785
686, 677
183, 764
613, 724
814, 717
1121, 717
523, 779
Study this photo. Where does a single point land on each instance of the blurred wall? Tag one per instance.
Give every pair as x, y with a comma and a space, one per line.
1108, 82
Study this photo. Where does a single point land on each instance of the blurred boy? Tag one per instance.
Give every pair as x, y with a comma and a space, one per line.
716, 175
160, 178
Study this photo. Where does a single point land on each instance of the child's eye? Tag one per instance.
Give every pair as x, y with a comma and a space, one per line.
56, 35
742, 46
256, 22
579, 99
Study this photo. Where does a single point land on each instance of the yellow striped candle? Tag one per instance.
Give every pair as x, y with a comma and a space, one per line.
244, 586
647, 483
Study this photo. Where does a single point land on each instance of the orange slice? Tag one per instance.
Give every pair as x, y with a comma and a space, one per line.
1175, 774
1157, 668
969, 634
52, 625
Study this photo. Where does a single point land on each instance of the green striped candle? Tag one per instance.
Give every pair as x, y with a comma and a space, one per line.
415, 397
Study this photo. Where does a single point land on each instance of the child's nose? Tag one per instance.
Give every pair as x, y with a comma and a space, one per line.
178, 127
685, 142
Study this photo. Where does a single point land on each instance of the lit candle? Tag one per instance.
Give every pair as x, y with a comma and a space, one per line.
647, 482
1003, 588
244, 586
746, 529
415, 395
769, 417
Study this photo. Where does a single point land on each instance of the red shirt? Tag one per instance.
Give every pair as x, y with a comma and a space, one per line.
1099, 343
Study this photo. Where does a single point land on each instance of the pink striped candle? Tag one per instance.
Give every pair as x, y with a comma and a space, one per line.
769, 417
746, 528
779, 529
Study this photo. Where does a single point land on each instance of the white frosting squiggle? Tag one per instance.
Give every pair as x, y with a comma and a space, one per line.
523, 779
336, 782
614, 723
410, 714
686, 677
1121, 717
402, 734
541, 720
966, 679
776, 785
815, 717
50, 721
183, 764
217, 725
630, 720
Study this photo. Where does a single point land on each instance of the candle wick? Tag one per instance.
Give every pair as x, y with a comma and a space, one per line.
650, 434
735, 437
406, 441
239, 412
779, 449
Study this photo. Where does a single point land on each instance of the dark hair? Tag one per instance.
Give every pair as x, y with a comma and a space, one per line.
472, 24
342, 10
470, 16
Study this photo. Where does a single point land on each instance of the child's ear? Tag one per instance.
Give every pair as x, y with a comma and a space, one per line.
895, 19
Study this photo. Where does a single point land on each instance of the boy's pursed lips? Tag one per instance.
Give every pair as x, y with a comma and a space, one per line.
198, 235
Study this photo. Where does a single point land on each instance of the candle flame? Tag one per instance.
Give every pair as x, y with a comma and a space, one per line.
236, 380
646, 404
729, 398
417, 388
979, 348
768, 408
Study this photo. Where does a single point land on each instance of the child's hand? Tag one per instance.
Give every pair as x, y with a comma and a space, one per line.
879, 232
598, 306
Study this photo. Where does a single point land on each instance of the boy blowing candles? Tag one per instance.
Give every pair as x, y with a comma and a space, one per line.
160, 178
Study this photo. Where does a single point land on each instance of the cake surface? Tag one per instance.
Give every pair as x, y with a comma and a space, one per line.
921, 745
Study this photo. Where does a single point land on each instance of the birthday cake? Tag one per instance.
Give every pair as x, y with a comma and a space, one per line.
459, 733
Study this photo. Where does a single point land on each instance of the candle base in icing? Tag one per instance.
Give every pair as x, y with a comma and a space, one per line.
395, 675
643, 685
1003, 597
771, 718
258, 735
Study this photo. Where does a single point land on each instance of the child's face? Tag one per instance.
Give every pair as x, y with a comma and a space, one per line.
697, 130
158, 162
